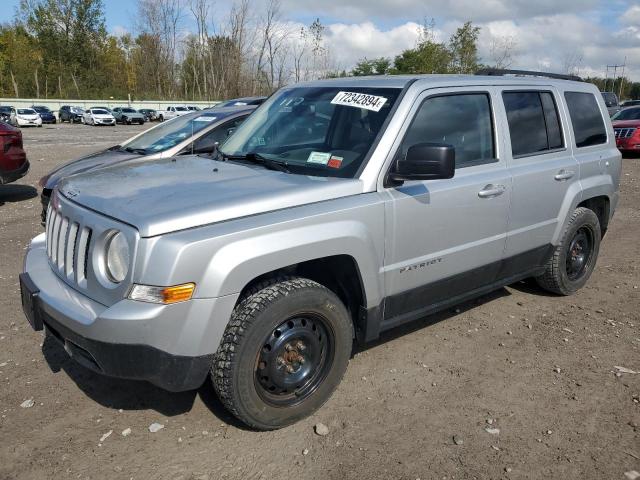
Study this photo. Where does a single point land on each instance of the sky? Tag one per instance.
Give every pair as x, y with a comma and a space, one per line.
546, 34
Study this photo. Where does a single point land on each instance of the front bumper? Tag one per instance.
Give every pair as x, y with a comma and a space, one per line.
28, 123
170, 346
628, 144
12, 176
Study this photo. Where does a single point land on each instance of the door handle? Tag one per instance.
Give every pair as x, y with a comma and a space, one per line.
490, 191
564, 175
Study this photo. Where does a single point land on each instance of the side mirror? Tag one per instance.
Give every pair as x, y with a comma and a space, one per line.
425, 161
230, 131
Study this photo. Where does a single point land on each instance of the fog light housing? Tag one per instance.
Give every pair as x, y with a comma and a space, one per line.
162, 295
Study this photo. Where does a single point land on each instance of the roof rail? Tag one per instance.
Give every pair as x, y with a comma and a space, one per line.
529, 73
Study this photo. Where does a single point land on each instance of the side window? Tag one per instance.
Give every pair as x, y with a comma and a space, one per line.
588, 126
533, 121
463, 120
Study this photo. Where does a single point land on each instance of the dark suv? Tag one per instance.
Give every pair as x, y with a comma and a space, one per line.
70, 114
5, 113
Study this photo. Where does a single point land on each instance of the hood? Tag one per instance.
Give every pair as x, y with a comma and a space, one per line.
28, 116
132, 114
102, 115
166, 196
86, 164
626, 123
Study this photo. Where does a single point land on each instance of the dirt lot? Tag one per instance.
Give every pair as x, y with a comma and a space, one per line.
538, 368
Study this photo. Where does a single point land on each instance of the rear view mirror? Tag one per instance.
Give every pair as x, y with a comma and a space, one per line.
426, 161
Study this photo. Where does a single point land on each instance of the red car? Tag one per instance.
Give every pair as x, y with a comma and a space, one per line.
626, 125
13, 159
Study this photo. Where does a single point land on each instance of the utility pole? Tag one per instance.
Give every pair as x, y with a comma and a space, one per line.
615, 75
622, 78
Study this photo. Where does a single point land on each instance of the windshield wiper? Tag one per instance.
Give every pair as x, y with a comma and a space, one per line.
259, 159
140, 151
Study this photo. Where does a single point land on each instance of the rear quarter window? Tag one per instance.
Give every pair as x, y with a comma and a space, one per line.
586, 118
534, 126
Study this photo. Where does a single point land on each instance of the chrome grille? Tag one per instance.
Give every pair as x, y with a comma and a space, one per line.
624, 132
67, 246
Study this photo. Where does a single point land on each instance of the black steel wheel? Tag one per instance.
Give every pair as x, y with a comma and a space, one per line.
574, 258
579, 253
283, 353
294, 360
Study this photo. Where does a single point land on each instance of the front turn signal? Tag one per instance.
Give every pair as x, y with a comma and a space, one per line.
163, 295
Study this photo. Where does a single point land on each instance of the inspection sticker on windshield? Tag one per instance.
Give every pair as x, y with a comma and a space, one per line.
359, 100
204, 119
319, 157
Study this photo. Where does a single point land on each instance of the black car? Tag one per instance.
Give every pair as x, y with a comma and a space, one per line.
71, 114
5, 113
630, 103
46, 115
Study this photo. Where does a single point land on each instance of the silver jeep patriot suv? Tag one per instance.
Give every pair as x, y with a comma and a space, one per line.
340, 209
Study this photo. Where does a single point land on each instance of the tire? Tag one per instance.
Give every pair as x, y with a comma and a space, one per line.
161, 118
574, 258
288, 318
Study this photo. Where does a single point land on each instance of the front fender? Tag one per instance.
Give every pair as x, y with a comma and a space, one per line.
223, 258
234, 265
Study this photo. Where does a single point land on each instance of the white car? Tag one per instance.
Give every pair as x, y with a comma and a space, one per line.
23, 117
98, 116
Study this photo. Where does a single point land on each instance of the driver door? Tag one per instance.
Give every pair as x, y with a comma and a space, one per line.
446, 238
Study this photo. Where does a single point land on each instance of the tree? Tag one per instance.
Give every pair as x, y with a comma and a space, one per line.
378, 66
463, 46
430, 56
501, 51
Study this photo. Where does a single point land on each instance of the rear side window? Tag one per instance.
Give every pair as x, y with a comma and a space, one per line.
534, 126
463, 121
588, 126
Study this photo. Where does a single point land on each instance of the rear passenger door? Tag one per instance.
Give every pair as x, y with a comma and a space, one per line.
445, 238
544, 173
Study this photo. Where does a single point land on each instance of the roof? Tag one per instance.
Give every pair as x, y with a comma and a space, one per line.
222, 112
401, 81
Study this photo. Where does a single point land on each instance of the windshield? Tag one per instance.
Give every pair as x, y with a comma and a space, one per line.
627, 114
610, 99
170, 134
41, 109
99, 111
26, 111
182, 109
128, 110
318, 131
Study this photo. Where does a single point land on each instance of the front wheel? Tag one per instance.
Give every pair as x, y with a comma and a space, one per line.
283, 353
575, 256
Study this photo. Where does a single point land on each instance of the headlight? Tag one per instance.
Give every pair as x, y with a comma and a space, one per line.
117, 257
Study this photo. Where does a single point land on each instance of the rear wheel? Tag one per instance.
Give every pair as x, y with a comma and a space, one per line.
575, 257
283, 353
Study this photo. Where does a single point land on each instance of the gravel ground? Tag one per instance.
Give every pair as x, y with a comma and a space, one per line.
517, 384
